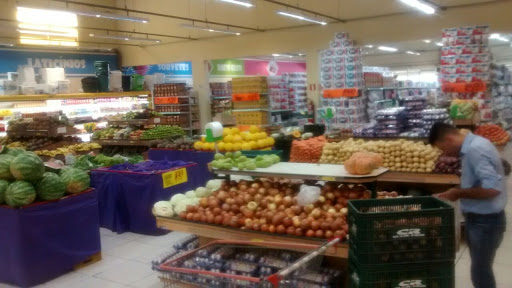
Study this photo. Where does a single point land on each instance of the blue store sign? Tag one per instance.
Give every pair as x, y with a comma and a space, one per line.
178, 69
74, 63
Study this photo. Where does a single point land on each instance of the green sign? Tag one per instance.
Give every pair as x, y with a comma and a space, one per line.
226, 67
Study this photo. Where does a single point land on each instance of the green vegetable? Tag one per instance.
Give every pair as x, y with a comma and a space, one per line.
27, 166
20, 193
5, 164
241, 166
76, 180
51, 187
218, 156
227, 166
237, 154
3, 186
250, 166
229, 155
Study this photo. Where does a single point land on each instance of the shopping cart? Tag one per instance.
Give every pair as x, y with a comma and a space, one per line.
245, 264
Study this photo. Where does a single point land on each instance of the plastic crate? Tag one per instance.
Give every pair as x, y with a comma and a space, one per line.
409, 230
440, 275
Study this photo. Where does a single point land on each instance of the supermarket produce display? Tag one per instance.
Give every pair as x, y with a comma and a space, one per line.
236, 140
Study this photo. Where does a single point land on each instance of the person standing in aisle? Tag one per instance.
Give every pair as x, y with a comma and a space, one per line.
482, 195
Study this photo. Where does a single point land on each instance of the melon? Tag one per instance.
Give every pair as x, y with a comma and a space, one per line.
5, 167
3, 186
13, 151
27, 166
51, 187
20, 193
76, 180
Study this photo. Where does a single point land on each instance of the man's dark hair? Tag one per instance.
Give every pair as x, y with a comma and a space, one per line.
506, 166
439, 131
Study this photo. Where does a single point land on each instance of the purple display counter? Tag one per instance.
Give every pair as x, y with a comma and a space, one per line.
44, 240
201, 158
126, 199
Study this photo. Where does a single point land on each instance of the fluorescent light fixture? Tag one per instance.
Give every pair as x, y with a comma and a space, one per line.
239, 2
420, 5
48, 42
209, 29
46, 17
284, 55
413, 53
124, 38
427, 41
439, 44
48, 33
385, 48
497, 36
95, 14
368, 46
301, 17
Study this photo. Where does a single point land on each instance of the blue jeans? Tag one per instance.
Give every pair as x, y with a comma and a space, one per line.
484, 234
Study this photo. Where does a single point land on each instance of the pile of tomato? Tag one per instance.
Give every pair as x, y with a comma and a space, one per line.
493, 133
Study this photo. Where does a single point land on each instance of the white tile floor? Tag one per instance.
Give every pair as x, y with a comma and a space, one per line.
126, 260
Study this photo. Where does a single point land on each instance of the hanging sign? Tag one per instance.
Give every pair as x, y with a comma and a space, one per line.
338, 93
471, 87
246, 97
175, 177
166, 100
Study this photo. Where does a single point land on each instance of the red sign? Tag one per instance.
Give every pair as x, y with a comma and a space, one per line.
471, 87
338, 93
166, 100
246, 97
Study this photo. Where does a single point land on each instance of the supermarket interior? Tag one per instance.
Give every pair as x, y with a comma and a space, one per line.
255, 143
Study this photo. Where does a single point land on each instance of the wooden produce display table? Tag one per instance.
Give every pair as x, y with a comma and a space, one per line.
420, 178
227, 233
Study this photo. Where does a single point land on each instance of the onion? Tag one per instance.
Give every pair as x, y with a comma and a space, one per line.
242, 187
319, 234
280, 229
235, 208
305, 224
316, 213
298, 232
240, 200
309, 208
264, 228
272, 229
273, 192
288, 201
271, 207
310, 233
321, 199
315, 225
203, 202
328, 234
287, 222
223, 195
267, 184
262, 191
290, 230
183, 215
255, 185
296, 221
252, 206
246, 199
218, 219
256, 227
226, 207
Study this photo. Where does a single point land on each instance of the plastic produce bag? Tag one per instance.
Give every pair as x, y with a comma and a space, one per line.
308, 195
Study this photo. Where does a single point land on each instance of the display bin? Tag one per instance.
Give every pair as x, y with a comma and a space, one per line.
126, 198
401, 230
45, 240
438, 275
201, 158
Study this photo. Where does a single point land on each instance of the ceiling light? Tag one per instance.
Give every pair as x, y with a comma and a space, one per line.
301, 17
385, 48
48, 42
439, 44
90, 14
124, 38
498, 37
49, 33
368, 46
46, 17
413, 53
427, 41
424, 7
239, 2
209, 29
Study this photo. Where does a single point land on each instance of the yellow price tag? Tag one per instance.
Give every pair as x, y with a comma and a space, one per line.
175, 177
326, 178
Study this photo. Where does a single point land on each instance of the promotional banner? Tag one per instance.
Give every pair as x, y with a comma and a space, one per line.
171, 70
77, 64
226, 67
272, 68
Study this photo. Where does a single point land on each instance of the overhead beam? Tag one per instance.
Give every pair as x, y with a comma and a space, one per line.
79, 42
305, 10
158, 14
116, 30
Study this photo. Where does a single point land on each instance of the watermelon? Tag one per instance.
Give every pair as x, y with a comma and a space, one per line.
13, 151
20, 193
5, 164
3, 186
51, 187
76, 180
27, 166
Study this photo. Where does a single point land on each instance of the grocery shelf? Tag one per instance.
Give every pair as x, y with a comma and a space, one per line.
221, 97
228, 233
249, 110
280, 110
308, 171
422, 178
139, 122
53, 132
10, 98
121, 142
174, 113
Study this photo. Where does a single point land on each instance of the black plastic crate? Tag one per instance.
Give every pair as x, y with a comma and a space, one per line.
429, 275
401, 230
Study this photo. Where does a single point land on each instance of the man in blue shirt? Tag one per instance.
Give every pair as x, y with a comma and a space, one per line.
482, 195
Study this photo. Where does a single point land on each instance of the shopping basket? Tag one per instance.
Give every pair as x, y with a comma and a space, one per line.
245, 264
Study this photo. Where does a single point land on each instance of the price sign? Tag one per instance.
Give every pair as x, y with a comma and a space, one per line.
156, 120
327, 178
246, 97
175, 177
471, 87
61, 130
166, 100
339, 93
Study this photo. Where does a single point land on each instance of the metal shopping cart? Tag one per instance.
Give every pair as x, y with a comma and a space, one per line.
244, 264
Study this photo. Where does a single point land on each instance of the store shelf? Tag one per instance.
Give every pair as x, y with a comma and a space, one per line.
280, 110
422, 178
227, 233
11, 98
249, 110
138, 122
54, 132
308, 171
221, 97
121, 142
174, 113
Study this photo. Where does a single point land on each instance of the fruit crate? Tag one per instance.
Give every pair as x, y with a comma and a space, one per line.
401, 230
440, 275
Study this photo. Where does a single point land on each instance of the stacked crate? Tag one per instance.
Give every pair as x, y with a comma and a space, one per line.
401, 242
253, 112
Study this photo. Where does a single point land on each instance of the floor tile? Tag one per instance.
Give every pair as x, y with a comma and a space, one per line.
164, 241
137, 251
151, 281
126, 272
106, 262
108, 242
100, 283
71, 279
